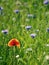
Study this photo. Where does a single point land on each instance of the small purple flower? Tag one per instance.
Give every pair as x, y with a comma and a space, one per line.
45, 2
28, 27
47, 29
1, 8
33, 35
16, 11
5, 31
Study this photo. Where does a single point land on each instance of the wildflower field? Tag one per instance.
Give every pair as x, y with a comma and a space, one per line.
24, 32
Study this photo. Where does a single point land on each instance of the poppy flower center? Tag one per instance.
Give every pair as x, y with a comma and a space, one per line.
14, 43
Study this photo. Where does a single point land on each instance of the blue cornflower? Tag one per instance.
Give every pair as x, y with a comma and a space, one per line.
1, 8
33, 35
16, 11
5, 31
45, 2
28, 27
47, 29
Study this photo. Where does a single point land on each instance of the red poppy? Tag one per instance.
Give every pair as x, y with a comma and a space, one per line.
14, 42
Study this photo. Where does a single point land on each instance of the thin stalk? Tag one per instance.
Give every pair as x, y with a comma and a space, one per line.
14, 55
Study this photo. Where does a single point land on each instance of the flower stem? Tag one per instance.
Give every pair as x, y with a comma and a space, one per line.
14, 55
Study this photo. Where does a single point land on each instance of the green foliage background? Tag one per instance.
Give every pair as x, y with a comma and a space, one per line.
17, 30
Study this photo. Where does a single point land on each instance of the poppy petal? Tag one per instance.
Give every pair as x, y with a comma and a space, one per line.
14, 42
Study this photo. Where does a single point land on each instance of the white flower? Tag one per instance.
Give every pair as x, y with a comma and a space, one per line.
0, 57
17, 56
47, 13
14, 19
29, 49
47, 57
47, 45
30, 15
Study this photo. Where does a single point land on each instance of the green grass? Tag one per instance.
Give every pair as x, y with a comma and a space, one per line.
17, 30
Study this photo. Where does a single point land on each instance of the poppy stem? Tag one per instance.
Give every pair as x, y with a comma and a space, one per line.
14, 55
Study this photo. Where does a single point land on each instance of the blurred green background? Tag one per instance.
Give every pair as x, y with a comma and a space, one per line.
15, 15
